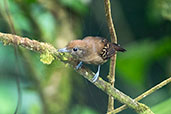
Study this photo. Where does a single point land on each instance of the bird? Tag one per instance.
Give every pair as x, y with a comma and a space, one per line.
92, 50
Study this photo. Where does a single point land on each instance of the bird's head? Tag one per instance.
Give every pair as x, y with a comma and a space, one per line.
77, 48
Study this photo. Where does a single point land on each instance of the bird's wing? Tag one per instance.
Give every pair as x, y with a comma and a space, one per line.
107, 50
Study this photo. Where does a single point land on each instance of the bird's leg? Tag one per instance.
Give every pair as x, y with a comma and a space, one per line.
96, 75
79, 65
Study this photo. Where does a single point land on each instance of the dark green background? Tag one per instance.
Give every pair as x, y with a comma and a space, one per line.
143, 29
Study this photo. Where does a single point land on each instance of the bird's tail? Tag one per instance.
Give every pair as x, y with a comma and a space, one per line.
118, 47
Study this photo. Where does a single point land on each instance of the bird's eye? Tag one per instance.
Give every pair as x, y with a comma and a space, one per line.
75, 49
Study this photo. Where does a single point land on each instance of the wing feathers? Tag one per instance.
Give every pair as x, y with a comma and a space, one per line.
110, 49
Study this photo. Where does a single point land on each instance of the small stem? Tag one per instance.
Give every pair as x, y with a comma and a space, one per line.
145, 94
110, 21
111, 76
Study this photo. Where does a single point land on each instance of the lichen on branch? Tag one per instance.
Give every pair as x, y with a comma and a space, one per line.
46, 58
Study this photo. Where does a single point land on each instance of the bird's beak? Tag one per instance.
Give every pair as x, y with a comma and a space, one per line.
63, 50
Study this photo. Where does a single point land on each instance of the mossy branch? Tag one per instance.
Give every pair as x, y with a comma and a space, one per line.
50, 53
145, 94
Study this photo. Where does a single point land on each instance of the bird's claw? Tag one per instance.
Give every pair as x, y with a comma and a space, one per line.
94, 79
79, 65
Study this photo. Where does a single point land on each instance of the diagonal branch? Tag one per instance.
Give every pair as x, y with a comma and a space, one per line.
145, 94
111, 76
49, 52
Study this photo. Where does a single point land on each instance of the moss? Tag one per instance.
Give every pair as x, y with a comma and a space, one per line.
66, 65
64, 58
46, 58
5, 42
143, 109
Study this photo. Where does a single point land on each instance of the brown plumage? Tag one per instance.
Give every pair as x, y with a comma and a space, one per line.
93, 50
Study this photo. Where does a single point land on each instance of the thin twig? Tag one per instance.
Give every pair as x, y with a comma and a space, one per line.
12, 28
110, 21
111, 76
150, 91
9, 39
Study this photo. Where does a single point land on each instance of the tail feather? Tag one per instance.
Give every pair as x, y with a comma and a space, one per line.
118, 47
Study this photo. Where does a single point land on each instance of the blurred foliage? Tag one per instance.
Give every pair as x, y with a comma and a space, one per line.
166, 9
21, 22
45, 22
159, 10
143, 28
145, 55
79, 6
82, 110
163, 108
7, 97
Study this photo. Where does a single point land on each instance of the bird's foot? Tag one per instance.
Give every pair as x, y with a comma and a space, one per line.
79, 65
94, 79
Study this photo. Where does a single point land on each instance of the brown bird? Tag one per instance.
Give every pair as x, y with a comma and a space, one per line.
92, 50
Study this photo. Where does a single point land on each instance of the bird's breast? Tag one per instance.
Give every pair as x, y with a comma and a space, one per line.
93, 59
